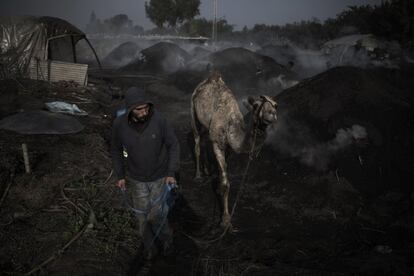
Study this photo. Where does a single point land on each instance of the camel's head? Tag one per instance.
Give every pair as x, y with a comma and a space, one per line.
264, 110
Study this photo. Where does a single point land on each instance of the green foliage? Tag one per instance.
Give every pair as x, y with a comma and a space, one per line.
171, 12
186, 10
118, 24
358, 16
158, 11
203, 27
390, 20
395, 20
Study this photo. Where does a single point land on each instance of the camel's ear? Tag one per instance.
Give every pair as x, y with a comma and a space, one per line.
247, 105
270, 100
252, 100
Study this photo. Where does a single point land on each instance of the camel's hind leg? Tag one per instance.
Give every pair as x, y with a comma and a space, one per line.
196, 142
224, 185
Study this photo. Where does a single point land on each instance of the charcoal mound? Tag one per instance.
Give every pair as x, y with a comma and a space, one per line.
312, 113
161, 58
199, 52
282, 54
244, 71
122, 55
240, 63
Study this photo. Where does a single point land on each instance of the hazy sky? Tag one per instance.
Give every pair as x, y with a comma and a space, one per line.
237, 12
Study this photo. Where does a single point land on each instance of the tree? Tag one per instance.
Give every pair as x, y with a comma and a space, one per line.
186, 10
203, 27
94, 25
357, 16
92, 17
158, 11
171, 12
118, 23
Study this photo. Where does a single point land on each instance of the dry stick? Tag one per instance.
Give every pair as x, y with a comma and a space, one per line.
6, 191
372, 229
26, 158
109, 177
337, 176
248, 268
60, 251
62, 192
103, 184
20, 84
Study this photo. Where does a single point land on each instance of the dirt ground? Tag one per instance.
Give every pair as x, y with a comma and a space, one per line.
68, 218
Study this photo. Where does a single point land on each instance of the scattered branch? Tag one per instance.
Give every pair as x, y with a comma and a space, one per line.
86, 226
62, 192
6, 191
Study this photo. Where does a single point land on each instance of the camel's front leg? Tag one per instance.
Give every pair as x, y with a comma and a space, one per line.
196, 134
197, 156
224, 184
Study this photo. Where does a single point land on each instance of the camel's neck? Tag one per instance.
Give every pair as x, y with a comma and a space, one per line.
240, 136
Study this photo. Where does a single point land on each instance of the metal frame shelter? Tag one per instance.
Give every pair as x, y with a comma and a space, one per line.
41, 47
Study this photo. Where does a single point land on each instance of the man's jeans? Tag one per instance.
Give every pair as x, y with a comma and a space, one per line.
143, 196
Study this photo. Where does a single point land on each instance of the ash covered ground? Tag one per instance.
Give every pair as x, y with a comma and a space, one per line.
329, 194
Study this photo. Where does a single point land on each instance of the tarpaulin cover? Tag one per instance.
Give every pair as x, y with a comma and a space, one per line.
41, 122
25, 37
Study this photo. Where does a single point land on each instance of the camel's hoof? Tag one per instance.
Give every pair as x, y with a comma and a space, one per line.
226, 224
198, 178
228, 227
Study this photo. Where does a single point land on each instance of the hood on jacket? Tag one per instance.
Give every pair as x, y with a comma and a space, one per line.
134, 97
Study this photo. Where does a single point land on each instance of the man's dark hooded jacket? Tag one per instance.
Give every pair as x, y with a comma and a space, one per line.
153, 149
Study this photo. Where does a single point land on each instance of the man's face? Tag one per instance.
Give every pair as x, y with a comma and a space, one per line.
141, 112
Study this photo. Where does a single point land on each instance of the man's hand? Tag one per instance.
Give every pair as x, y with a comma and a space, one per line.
121, 184
170, 180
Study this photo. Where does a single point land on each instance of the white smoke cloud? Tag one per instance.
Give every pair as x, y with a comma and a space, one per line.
298, 142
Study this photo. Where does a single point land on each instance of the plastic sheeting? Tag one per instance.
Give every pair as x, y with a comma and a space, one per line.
66, 108
41, 122
23, 38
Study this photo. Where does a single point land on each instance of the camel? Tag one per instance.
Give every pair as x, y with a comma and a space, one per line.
214, 110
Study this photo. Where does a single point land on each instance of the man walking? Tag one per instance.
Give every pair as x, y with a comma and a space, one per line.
152, 162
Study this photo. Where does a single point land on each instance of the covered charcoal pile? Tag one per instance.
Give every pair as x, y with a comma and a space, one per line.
344, 97
282, 54
161, 58
243, 68
243, 71
122, 54
199, 52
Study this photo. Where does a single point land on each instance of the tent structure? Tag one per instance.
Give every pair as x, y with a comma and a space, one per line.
41, 48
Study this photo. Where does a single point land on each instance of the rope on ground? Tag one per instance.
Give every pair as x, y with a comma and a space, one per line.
87, 225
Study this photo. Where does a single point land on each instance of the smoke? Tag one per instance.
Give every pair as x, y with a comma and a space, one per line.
299, 142
309, 62
173, 62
